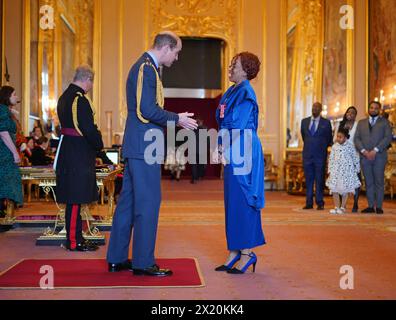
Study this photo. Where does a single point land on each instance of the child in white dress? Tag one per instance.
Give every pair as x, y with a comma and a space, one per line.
344, 166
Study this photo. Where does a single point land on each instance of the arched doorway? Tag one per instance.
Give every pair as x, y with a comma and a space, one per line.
195, 84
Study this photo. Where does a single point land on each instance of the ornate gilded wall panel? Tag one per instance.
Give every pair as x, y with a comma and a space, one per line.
335, 60
304, 58
196, 18
338, 61
52, 53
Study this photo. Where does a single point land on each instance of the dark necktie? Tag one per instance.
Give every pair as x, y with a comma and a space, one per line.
313, 127
371, 123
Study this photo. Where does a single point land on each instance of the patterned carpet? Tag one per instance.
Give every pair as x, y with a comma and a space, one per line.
202, 204
302, 259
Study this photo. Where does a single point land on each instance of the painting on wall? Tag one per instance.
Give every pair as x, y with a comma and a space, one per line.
382, 51
334, 60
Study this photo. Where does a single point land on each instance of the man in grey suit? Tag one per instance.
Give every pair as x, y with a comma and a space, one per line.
372, 139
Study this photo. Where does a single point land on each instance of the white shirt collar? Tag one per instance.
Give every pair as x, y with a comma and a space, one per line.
154, 58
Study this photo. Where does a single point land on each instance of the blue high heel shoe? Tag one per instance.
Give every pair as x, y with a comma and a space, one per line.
252, 261
230, 265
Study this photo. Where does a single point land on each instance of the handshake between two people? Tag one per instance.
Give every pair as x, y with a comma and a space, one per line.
186, 121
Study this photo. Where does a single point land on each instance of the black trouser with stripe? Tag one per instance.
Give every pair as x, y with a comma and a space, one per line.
73, 226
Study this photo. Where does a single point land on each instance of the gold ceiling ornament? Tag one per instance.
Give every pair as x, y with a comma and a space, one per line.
196, 18
194, 6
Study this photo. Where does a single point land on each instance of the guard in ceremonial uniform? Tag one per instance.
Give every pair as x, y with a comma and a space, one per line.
75, 160
140, 199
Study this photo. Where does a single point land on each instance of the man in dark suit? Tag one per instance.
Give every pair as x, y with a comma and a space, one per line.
372, 139
317, 135
140, 199
76, 157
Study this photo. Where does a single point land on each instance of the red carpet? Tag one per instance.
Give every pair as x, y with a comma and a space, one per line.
92, 273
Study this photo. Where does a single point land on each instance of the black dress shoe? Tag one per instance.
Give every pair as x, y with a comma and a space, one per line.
117, 267
355, 209
368, 210
379, 211
308, 208
320, 208
83, 247
153, 271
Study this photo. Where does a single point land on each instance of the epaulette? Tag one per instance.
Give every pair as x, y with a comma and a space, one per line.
74, 110
139, 90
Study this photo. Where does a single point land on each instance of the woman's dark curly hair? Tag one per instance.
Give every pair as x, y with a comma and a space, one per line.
250, 64
5, 95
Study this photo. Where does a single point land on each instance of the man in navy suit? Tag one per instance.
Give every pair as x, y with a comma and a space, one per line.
140, 199
317, 135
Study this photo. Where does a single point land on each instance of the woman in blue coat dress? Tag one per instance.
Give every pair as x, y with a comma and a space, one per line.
242, 153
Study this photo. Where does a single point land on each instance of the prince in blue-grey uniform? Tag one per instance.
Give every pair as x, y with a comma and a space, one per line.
140, 199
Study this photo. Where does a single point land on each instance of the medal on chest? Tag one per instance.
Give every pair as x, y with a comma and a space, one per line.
223, 108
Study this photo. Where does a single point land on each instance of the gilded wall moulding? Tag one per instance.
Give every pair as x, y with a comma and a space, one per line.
311, 26
196, 18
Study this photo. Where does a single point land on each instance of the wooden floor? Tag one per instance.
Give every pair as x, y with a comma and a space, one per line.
302, 259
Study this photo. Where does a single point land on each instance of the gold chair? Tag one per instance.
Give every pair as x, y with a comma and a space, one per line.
271, 170
109, 185
28, 184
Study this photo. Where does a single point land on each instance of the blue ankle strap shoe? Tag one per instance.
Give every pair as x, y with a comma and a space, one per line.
230, 265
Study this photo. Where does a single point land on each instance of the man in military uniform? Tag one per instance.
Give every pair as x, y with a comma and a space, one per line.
75, 162
140, 199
